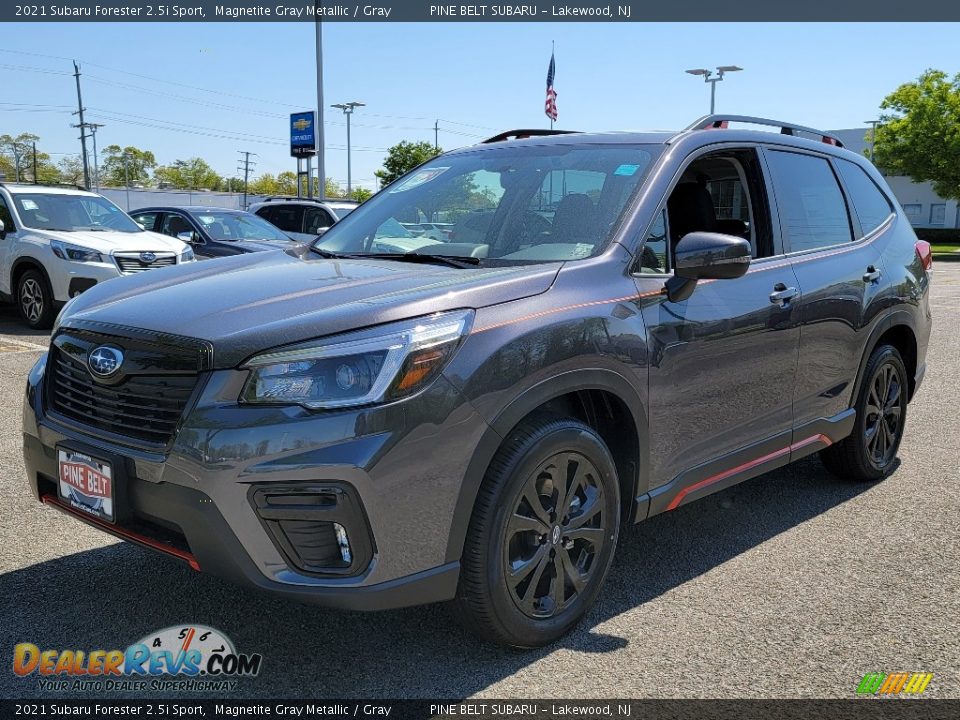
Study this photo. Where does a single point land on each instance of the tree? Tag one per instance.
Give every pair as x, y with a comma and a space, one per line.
918, 132
71, 170
266, 184
403, 157
193, 173
361, 194
121, 165
19, 152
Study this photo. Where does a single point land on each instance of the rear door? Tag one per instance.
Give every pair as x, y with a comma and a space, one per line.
839, 273
722, 364
6, 246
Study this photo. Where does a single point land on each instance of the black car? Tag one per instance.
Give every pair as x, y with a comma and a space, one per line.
640, 320
214, 232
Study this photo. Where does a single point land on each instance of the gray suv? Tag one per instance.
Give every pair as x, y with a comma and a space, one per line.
639, 321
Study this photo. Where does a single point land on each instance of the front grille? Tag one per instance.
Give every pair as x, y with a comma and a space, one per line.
143, 407
133, 262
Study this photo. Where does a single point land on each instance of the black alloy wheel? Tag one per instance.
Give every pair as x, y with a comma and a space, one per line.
870, 451
542, 535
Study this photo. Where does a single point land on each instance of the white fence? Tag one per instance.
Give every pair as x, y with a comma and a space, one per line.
136, 198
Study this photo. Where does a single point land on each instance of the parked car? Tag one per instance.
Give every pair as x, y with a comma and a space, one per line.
302, 219
647, 319
56, 242
214, 232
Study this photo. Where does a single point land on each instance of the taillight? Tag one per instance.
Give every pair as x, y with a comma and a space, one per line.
923, 252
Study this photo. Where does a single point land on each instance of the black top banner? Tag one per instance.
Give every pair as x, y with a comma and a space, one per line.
413, 11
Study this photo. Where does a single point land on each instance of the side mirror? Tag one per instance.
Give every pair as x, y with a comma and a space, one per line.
706, 256
3, 230
189, 237
321, 231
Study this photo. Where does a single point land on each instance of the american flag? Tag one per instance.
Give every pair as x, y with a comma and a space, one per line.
550, 106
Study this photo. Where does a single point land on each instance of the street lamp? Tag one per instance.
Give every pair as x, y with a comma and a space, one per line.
873, 137
708, 76
348, 109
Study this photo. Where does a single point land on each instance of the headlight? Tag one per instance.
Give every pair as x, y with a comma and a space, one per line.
360, 368
187, 255
72, 252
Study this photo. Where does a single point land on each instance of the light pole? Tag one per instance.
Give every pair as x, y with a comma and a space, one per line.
348, 109
708, 76
873, 136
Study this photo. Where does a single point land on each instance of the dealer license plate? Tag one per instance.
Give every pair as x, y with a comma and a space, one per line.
86, 483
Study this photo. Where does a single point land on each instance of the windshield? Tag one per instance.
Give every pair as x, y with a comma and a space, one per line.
503, 206
72, 213
238, 226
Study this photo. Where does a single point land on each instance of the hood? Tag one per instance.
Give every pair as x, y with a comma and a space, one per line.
111, 241
256, 301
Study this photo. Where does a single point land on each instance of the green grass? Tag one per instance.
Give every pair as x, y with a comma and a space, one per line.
943, 249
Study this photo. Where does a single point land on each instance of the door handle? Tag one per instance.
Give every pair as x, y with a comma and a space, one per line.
872, 274
782, 294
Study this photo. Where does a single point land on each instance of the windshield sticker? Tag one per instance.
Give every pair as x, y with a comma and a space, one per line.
418, 179
29, 204
626, 170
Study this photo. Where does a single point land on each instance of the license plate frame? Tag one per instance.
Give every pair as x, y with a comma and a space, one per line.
87, 483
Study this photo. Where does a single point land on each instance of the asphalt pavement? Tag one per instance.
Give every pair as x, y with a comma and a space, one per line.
794, 584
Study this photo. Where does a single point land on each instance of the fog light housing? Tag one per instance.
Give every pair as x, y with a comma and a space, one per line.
343, 542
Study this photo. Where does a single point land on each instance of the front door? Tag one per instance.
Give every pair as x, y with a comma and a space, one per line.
722, 363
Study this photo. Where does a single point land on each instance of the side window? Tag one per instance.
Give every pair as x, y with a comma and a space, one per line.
314, 219
655, 256
148, 220
288, 218
174, 223
721, 192
8, 225
869, 202
813, 213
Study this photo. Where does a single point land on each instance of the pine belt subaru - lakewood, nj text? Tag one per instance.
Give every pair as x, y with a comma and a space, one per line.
634, 321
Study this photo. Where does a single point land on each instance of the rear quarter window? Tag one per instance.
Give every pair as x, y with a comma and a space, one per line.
869, 202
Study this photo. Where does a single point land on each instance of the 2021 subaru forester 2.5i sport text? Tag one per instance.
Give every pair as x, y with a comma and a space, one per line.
627, 323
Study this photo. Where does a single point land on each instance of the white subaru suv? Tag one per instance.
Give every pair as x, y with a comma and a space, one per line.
55, 242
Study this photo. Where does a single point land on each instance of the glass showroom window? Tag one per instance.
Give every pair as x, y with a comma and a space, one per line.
938, 214
913, 213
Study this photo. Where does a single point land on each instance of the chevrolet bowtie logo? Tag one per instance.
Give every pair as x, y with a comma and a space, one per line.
301, 124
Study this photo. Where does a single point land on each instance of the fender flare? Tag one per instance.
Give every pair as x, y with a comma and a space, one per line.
34, 264
891, 320
518, 408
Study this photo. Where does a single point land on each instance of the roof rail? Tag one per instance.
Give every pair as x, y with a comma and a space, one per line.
273, 198
718, 122
521, 134
45, 184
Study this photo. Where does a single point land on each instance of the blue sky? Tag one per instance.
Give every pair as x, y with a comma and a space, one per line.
477, 78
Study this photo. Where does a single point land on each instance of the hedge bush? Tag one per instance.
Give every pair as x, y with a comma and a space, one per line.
939, 235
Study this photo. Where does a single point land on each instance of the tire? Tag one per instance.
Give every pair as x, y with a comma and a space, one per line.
869, 452
35, 300
514, 550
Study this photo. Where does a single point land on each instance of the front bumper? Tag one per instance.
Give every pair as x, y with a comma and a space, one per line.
401, 465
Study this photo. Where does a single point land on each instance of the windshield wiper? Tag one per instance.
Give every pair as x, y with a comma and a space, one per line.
457, 261
329, 253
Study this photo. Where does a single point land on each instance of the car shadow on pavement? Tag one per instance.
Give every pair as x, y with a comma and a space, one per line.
112, 596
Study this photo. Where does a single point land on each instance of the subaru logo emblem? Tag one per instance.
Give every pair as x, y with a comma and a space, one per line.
104, 361
147, 257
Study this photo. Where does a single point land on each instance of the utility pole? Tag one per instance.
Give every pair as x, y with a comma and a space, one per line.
96, 166
436, 136
245, 168
348, 109
126, 178
82, 126
35, 181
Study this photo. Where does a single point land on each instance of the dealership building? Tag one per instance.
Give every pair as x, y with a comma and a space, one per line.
920, 203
